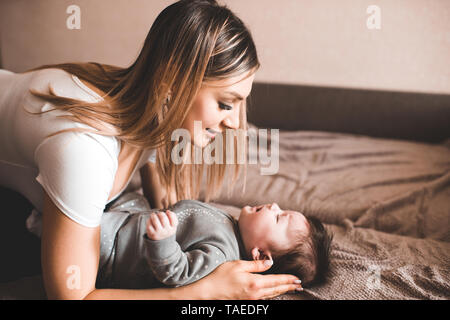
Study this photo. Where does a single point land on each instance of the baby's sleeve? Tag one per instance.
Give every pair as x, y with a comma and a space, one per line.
173, 267
77, 171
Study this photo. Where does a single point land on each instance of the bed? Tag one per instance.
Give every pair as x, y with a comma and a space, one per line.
387, 202
374, 167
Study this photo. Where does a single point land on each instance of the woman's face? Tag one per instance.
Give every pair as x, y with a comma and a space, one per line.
217, 105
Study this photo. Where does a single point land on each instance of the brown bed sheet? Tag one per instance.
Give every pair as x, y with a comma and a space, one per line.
387, 203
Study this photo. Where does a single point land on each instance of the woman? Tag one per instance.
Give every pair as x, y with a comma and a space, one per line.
84, 145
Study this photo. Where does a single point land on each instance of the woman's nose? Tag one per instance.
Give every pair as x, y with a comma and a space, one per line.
232, 121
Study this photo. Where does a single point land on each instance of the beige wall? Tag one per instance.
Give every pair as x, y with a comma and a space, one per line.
322, 42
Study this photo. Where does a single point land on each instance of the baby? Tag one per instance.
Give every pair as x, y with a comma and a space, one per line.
144, 248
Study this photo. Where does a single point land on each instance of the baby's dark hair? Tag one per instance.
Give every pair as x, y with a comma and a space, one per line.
309, 256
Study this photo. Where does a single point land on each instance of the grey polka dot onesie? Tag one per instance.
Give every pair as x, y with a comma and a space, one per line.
206, 237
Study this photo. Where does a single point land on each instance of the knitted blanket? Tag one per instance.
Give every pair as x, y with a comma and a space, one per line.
386, 201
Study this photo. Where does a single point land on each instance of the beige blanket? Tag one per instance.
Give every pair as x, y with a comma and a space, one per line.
386, 201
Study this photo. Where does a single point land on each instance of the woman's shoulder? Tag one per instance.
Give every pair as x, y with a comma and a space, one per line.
63, 83
77, 172
67, 85
76, 145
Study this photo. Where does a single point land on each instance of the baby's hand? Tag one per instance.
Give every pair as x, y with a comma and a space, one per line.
161, 225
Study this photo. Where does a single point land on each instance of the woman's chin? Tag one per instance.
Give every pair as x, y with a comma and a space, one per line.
202, 141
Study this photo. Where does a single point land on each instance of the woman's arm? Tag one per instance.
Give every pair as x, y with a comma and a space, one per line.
69, 255
70, 258
232, 280
152, 187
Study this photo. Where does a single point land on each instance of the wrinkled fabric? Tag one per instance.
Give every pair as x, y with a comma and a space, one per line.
386, 201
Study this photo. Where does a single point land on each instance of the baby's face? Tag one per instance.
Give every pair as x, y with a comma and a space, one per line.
267, 226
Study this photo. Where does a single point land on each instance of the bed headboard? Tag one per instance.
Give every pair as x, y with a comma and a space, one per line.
397, 115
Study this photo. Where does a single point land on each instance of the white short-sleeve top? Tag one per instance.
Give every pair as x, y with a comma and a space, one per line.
77, 170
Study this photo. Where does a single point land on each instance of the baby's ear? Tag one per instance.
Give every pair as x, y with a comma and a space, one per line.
268, 255
258, 254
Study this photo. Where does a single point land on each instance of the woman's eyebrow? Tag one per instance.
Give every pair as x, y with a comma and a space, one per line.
235, 94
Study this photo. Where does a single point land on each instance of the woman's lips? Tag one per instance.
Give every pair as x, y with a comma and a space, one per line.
211, 132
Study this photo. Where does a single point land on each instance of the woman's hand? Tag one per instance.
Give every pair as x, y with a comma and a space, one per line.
153, 189
235, 280
169, 200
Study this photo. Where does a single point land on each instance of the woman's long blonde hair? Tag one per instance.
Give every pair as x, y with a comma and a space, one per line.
189, 43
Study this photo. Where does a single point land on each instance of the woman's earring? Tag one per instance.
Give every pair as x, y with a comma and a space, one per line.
169, 96
166, 102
